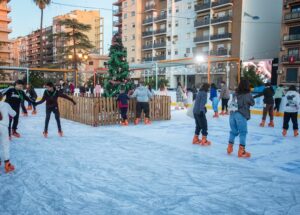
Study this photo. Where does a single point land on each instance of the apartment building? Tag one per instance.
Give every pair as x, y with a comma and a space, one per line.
118, 15
5, 59
289, 70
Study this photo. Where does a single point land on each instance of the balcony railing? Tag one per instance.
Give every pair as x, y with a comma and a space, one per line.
221, 36
287, 58
161, 57
290, 1
292, 16
221, 2
150, 7
200, 7
199, 23
201, 39
117, 23
147, 33
117, 12
9, 30
160, 45
291, 38
160, 31
148, 46
161, 17
221, 52
147, 21
221, 19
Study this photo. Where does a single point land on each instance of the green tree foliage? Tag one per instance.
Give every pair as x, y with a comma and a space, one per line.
254, 79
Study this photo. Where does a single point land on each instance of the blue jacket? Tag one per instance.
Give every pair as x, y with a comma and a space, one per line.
213, 93
200, 102
123, 100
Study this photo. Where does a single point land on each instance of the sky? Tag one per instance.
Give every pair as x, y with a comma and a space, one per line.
26, 15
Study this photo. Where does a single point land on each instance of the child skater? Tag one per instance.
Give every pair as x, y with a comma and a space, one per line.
291, 108
123, 106
30, 92
5, 112
239, 117
214, 99
14, 97
200, 117
51, 96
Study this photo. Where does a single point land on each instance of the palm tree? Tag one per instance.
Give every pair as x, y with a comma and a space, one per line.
42, 5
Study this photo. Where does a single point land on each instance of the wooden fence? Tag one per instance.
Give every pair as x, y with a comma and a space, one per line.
104, 111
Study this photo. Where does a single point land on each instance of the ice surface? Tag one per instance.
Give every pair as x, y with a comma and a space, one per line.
149, 170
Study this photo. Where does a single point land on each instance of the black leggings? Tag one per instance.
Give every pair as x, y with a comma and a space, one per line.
13, 122
277, 104
124, 112
225, 104
24, 110
290, 116
201, 124
56, 114
142, 106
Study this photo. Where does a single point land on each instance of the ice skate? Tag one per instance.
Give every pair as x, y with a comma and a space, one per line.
25, 114
196, 140
229, 148
222, 113
34, 112
60, 133
45, 133
136, 121
284, 132
296, 133
262, 124
242, 152
216, 115
8, 167
147, 121
204, 141
271, 124
15, 134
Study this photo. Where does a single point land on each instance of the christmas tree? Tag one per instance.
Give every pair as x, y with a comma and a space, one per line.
118, 69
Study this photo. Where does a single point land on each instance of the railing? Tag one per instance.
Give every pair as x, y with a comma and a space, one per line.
149, 20
161, 57
149, 46
117, 11
148, 59
221, 19
147, 33
160, 31
5, 29
221, 2
160, 45
221, 36
150, 7
290, 1
199, 23
161, 17
201, 39
221, 52
292, 37
199, 7
97, 111
116, 23
287, 58
291, 16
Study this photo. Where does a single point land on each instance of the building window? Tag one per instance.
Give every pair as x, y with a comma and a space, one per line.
176, 23
177, 9
125, 27
132, 60
91, 63
133, 13
189, 5
132, 48
170, 25
132, 2
188, 35
176, 52
133, 37
125, 16
169, 52
133, 25
188, 21
292, 75
188, 50
125, 4
221, 30
293, 52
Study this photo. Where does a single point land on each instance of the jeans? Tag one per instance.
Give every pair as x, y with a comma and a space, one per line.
269, 108
14, 122
55, 110
215, 103
201, 124
290, 116
238, 127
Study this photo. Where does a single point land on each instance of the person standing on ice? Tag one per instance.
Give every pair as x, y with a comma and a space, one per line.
279, 93
224, 96
5, 112
214, 99
14, 97
268, 94
30, 92
239, 116
291, 108
200, 117
51, 96
143, 96
180, 96
123, 106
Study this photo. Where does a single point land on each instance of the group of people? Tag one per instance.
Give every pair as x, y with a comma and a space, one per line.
10, 112
239, 111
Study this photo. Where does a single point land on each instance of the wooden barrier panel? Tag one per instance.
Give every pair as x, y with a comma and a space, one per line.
96, 111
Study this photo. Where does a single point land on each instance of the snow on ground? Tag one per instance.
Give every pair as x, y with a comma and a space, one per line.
149, 170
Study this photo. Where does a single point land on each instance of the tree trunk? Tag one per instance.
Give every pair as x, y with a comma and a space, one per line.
41, 40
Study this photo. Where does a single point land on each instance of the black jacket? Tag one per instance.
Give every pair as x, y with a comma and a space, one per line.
31, 94
51, 98
15, 97
268, 94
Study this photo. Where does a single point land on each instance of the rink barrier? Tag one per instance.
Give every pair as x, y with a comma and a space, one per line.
96, 111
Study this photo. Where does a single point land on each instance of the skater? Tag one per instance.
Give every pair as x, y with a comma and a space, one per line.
143, 96
180, 96
5, 112
123, 106
51, 96
238, 118
279, 93
200, 117
98, 90
291, 108
14, 97
268, 94
24, 110
30, 92
224, 97
214, 98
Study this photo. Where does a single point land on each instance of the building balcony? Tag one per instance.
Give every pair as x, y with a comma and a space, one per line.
201, 23
147, 47
5, 19
293, 38
220, 52
160, 57
147, 34
5, 50
286, 59
202, 7
201, 39
148, 59
197, 51
292, 17
118, 3
159, 45
287, 2
148, 21
219, 37
7, 9
160, 18
222, 3
160, 31
117, 23
117, 12
222, 19
7, 30
150, 7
